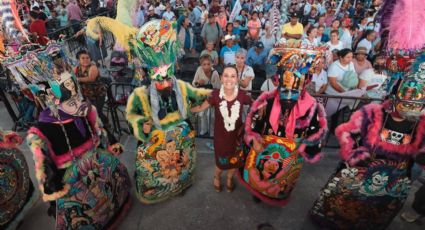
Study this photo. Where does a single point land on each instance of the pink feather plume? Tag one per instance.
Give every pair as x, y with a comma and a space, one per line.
406, 25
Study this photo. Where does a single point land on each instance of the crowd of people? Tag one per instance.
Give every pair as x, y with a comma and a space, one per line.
323, 48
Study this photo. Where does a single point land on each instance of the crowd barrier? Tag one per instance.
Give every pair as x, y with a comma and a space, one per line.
119, 91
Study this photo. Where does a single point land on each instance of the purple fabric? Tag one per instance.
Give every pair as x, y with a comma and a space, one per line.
47, 117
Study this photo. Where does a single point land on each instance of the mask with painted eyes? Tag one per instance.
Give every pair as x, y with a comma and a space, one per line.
162, 76
410, 98
291, 85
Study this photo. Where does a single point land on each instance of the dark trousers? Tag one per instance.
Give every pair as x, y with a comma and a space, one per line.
419, 202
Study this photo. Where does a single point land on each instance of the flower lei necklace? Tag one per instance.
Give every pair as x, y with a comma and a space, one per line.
229, 121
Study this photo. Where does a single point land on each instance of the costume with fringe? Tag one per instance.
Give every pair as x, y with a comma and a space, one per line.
76, 162
17, 194
166, 156
290, 135
370, 187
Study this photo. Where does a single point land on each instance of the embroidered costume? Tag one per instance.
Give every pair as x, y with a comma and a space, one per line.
228, 128
17, 194
159, 115
77, 170
290, 131
378, 148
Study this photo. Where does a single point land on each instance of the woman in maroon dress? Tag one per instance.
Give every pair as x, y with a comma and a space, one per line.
228, 102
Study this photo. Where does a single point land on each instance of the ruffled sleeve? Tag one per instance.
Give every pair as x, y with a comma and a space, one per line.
47, 174
311, 145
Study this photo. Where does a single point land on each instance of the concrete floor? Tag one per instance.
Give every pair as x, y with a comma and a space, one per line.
202, 207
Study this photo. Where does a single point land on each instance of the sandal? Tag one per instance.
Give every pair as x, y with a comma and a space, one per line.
217, 183
229, 185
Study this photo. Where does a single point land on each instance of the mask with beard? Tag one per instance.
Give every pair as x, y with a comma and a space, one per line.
410, 98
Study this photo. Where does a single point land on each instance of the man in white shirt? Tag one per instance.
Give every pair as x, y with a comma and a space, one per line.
367, 41
168, 14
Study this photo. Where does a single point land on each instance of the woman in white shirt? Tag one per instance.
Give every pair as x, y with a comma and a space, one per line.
341, 74
206, 77
335, 43
310, 40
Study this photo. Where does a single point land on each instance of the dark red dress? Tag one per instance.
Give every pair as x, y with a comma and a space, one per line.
225, 142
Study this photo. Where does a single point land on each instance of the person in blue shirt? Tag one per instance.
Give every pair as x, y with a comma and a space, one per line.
257, 56
228, 52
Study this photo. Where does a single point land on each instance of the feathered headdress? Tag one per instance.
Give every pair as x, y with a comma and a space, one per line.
157, 46
405, 27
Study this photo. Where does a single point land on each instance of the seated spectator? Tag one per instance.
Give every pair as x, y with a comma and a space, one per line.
366, 40
254, 26
335, 43
321, 37
140, 16
245, 72
311, 18
185, 35
92, 89
341, 74
228, 30
267, 38
211, 52
221, 19
319, 79
168, 14
373, 79
336, 25
206, 76
63, 18
262, 19
211, 31
214, 7
293, 30
41, 15
179, 8
151, 14
268, 5
204, 15
258, 7
228, 52
360, 62
197, 12
310, 40
257, 56
236, 27
243, 27
159, 8
270, 84
38, 28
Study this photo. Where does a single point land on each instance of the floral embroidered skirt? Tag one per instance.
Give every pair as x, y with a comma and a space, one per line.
98, 194
271, 175
363, 197
17, 194
165, 165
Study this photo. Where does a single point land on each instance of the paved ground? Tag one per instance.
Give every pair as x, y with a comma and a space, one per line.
203, 208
